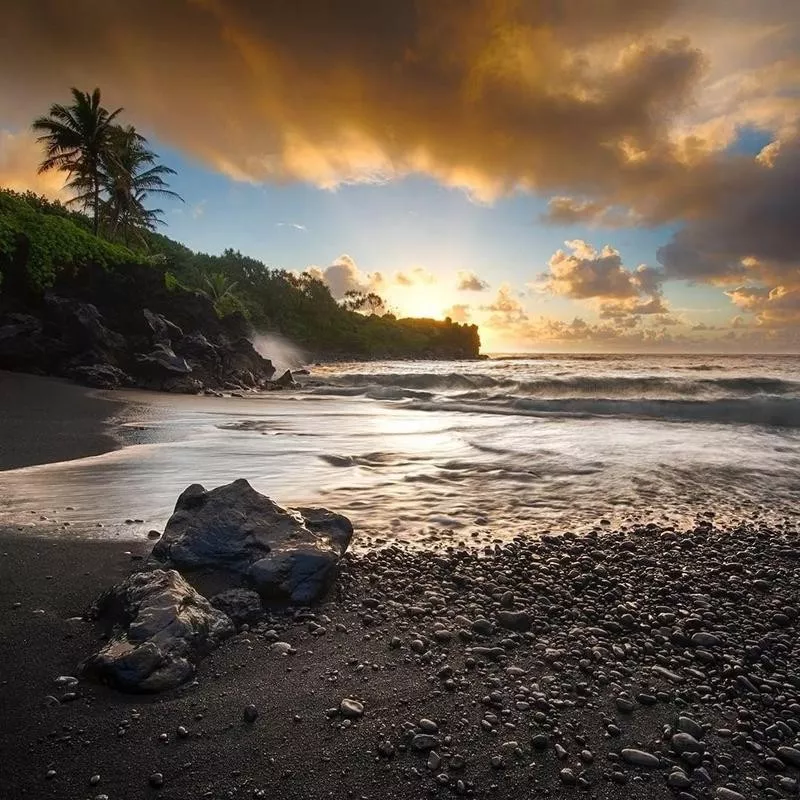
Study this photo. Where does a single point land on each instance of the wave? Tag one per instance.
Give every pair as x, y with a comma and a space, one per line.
387, 386
766, 410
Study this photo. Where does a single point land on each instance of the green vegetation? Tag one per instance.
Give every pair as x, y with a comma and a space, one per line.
48, 240
111, 173
51, 244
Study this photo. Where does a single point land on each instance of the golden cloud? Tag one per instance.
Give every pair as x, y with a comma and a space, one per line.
622, 110
586, 273
491, 95
470, 282
344, 275
19, 159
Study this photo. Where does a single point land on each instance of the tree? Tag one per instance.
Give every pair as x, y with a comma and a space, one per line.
221, 289
370, 303
76, 139
130, 173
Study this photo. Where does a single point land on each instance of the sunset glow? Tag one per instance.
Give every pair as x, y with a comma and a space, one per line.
564, 155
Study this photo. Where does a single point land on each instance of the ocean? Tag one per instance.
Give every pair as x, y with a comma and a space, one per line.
421, 452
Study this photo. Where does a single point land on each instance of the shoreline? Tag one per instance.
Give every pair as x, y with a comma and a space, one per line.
537, 668
47, 420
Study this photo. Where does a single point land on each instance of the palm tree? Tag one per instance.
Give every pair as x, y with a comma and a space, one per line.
218, 286
130, 174
76, 140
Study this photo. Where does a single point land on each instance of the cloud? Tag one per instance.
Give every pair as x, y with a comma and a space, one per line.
344, 276
295, 225
20, 156
506, 309
470, 282
353, 91
777, 307
622, 112
589, 274
460, 312
414, 277
574, 211
754, 232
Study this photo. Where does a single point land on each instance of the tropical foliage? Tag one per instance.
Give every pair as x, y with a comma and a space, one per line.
112, 174
44, 239
52, 244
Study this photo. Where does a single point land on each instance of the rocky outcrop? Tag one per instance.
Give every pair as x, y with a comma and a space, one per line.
242, 538
160, 627
118, 330
100, 376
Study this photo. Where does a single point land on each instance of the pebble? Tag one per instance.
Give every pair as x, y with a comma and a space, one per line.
156, 780
640, 758
723, 793
789, 755
250, 713
351, 709
424, 741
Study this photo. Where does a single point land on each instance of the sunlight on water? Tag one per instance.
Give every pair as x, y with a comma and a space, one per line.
417, 449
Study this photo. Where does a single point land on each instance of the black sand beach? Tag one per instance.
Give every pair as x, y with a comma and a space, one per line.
43, 420
639, 663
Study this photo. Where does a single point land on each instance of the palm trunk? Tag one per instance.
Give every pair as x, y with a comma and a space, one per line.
96, 205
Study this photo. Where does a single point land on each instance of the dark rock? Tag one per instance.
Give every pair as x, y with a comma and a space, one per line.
286, 380
519, 621
241, 605
640, 758
83, 324
23, 344
351, 709
163, 330
100, 376
423, 742
161, 627
182, 384
163, 359
245, 538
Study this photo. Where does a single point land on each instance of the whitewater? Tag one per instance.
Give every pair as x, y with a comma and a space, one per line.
424, 451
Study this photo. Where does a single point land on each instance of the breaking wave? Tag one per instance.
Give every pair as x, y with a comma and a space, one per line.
759, 400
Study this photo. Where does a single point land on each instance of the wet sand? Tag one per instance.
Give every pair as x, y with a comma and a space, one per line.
45, 420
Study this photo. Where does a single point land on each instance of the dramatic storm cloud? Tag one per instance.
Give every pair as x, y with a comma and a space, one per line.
623, 114
491, 95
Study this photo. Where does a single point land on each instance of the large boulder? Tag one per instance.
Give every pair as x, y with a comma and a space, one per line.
163, 331
23, 344
243, 538
162, 360
83, 325
162, 626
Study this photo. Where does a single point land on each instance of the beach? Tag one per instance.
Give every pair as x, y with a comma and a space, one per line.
47, 420
646, 660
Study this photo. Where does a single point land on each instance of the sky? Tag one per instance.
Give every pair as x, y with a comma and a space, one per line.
613, 175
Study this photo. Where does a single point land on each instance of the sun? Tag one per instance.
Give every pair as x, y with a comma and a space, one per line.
417, 301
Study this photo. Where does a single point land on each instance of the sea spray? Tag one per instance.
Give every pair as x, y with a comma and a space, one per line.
283, 353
